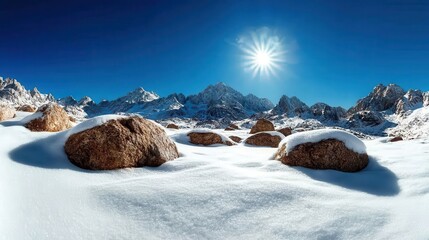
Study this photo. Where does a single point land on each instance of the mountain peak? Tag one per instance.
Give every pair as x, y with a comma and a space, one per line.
139, 95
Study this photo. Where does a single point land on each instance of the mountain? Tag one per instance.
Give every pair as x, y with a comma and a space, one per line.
381, 98
385, 110
14, 94
325, 112
217, 101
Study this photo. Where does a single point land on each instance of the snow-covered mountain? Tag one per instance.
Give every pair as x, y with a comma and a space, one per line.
14, 94
217, 101
385, 110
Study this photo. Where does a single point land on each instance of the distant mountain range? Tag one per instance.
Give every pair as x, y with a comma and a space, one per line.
384, 107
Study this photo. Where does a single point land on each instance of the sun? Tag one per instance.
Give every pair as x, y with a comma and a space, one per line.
263, 53
262, 59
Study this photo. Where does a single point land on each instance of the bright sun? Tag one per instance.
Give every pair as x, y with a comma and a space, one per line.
263, 53
262, 59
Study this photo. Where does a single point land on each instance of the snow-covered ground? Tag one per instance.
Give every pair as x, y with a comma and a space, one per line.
217, 192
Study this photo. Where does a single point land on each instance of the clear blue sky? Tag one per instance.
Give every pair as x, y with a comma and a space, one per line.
104, 49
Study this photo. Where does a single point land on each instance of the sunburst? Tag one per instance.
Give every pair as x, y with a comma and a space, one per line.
263, 53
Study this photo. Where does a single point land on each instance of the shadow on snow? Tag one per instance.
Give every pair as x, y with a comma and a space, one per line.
374, 179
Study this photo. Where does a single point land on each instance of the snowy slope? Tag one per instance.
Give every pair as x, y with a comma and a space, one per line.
210, 193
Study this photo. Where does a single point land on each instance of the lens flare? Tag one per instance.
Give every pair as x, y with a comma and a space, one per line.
263, 53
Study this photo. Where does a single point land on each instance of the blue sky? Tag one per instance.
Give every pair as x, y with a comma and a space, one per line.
338, 50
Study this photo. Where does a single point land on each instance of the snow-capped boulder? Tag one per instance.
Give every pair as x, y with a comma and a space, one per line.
207, 137
232, 127
172, 126
365, 118
262, 125
120, 143
26, 108
285, 131
236, 139
49, 118
6, 112
266, 139
323, 149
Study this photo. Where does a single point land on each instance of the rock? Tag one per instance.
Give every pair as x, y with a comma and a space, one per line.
121, 143
285, 131
365, 118
325, 154
262, 125
396, 139
207, 138
6, 112
232, 127
26, 108
53, 119
265, 139
235, 139
172, 126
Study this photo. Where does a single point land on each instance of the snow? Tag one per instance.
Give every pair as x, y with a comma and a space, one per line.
351, 141
209, 193
92, 122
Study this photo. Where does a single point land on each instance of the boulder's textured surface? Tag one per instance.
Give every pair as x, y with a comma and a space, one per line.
26, 108
53, 119
232, 127
121, 143
207, 138
326, 154
6, 112
172, 126
396, 139
236, 139
264, 139
285, 131
261, 126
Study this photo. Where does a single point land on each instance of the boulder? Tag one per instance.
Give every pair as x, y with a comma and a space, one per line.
52, 118
232, 127
235, 139
325, 154
6, 112
396, 139
208, 138
285, 131
26, 108
121, 143
266, 139
172, 126
262, 125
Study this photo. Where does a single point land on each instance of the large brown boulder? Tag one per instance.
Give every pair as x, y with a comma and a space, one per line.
6, 112
52, 118
232, 127
396, 139
285, 131
325, 154
265, 139
172, 126
262, 125
208, 138
236, 139
26, 108
121, 143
